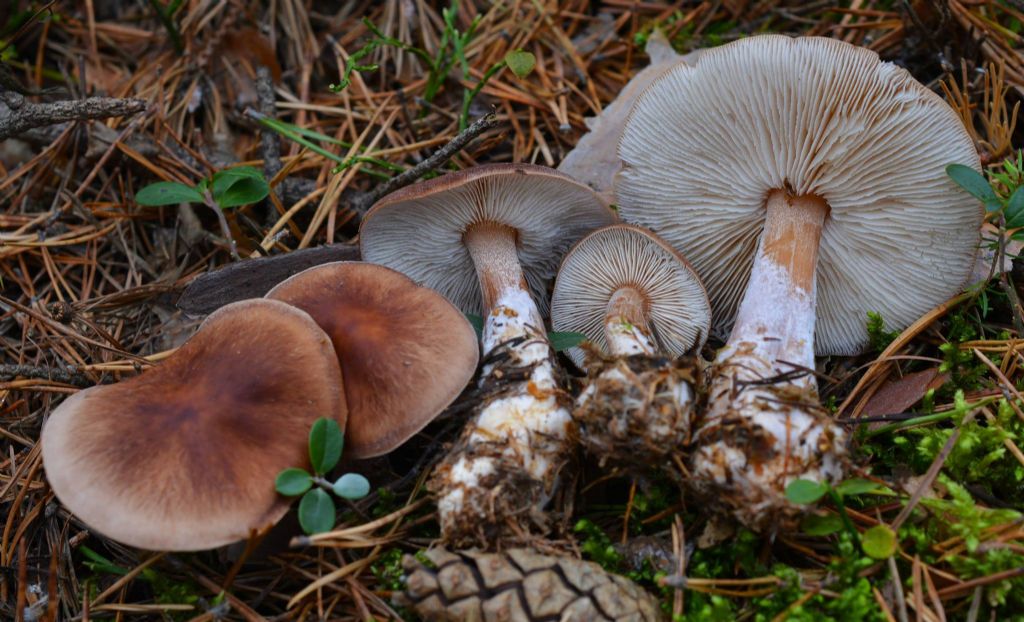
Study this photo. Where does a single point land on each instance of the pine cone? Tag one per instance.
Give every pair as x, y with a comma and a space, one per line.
520, 585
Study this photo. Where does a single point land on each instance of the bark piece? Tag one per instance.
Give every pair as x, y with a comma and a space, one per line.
253, 278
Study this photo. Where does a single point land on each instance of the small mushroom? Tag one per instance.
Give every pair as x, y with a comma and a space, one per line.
637, 299
183, 456
805, 179
487, 238
405, 352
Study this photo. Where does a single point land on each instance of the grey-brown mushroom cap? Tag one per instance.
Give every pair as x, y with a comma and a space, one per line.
183, 457
405, 352
705, 144
418, 230
678, 310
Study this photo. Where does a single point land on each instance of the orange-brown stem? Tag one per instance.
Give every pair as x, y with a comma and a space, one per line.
626, 329
792, 233
493, 249
778, 307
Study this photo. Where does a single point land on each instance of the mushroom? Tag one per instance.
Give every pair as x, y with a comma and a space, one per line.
807, 176
636, 298
405, 352
183, 456
489, 239
594, 159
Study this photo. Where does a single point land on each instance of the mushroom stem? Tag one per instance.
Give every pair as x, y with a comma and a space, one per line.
625, 324
509, 455
764, 426
493, 249
777, 311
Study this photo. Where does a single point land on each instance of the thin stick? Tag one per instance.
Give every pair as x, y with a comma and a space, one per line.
433, 162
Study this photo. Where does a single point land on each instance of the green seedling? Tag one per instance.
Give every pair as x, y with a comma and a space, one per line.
317, 512
807, 492
451, 51
228, 188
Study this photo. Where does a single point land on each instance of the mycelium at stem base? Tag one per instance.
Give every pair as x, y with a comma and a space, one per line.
765, 426
636, 409
494, 483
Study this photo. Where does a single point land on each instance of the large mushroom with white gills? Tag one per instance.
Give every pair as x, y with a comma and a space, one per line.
805, 180
490, 239
642, 308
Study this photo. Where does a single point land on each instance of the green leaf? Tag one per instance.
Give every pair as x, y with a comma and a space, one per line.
975, 184
564, 341
167, 193
325, 444
1015, 209
821, 524
879, 542
352, 486
477, 322
316, 512
520, 62
293, 482
856, 486
805, 492
241, 185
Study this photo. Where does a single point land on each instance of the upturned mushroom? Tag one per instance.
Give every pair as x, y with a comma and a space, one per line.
637, 299
489, 239
804, 179
183, 456
405, 352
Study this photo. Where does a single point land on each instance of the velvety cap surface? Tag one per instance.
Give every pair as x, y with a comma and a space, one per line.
184, 456
405, 352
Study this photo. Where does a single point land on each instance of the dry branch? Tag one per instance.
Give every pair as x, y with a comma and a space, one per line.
21, 115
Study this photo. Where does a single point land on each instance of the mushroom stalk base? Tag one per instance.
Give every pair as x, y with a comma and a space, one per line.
764, 426
635, 411
493, 485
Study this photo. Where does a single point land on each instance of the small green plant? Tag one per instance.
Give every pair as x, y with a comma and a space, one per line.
317, 512
878, 337
1004, 199
806, 492
231, 187
165, 13
450, 51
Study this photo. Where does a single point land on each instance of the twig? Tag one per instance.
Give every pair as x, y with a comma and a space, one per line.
270, 141
433, 162
10, 372
23, 116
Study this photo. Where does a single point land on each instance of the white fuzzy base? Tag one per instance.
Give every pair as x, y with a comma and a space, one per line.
757, 438
530, 421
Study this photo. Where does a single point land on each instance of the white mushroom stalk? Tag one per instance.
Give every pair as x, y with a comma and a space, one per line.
635, 297
509, 455
764, 426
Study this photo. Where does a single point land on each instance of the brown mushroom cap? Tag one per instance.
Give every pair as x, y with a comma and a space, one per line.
184, 456
419, 230
405, 352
